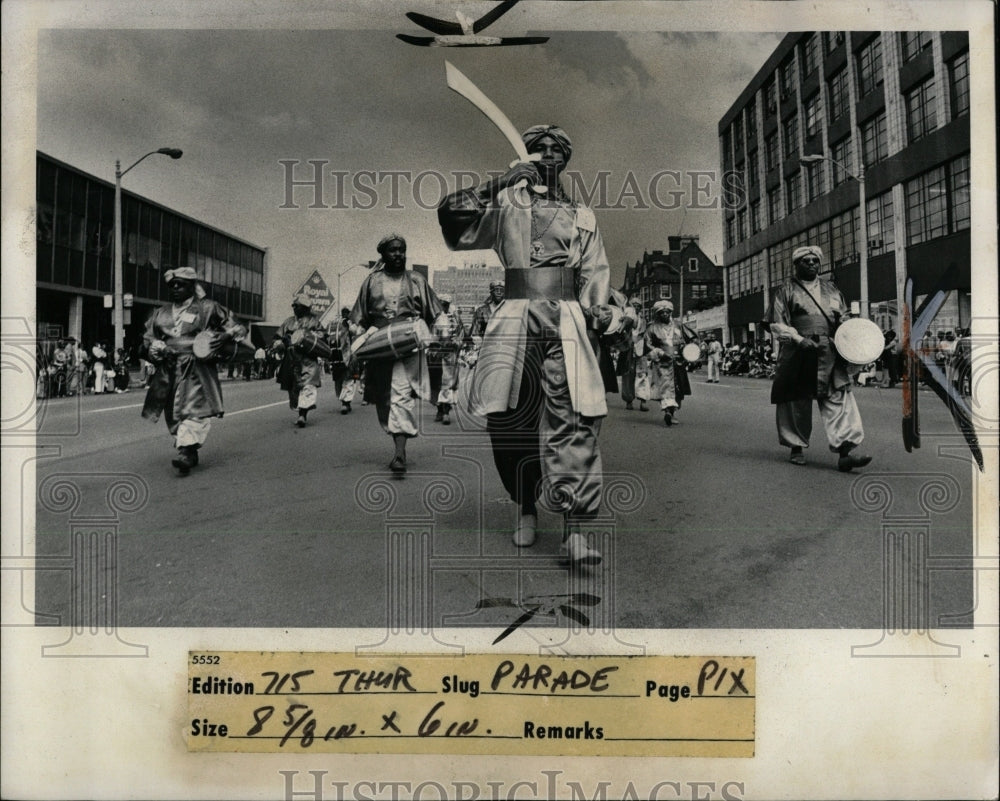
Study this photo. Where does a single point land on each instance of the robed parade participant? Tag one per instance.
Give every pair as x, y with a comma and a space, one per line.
393, 295
537, 379
185, 389
804, 314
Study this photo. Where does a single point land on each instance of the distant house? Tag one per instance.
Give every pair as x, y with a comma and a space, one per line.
659, 275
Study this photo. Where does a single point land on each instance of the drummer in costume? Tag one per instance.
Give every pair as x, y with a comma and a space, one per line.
804, 313
391, 293
538, 380
300, 374
184, 389
345, 370
448, 332
633, 365
665, 338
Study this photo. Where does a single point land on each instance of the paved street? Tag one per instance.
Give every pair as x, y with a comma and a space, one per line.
280, 527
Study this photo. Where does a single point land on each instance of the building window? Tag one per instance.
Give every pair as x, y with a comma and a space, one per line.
755, 216
913, 43
814, 180
741, 224
812, 115
842, 153
870, 66
958, 81
751, 118
810, 54
665, 293
699, 291
843, 243
832, 40
730, 231
692, 265
838, 95
786, 79
961, 209
921, 117
774, 205
793, 191
790, 137
874, 145
771, 151
770, 98
738, 134
927, 206
752, 168
881, 236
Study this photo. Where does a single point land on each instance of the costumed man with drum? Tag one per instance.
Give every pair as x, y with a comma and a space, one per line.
633, 366
345, 369
665, 339
396, 308
448, 332
185, 388
538, 379
305, 342
804, 314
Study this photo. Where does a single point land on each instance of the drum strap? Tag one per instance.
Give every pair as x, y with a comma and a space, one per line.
822, 311
540, 283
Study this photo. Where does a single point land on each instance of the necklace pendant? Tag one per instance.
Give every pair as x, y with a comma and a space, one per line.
537, 248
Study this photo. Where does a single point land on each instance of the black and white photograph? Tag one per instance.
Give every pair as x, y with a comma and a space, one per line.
525, 327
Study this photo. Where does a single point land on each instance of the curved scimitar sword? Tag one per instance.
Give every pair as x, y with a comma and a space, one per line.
467, 89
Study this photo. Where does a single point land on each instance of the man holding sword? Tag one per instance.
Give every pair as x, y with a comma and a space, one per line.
537, 379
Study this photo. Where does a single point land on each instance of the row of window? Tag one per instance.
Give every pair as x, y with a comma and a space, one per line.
937, 204
919, 102
75, 237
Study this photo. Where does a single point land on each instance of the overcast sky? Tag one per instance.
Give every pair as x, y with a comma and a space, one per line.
238, 102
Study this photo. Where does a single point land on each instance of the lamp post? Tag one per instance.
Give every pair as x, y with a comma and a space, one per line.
119, 312
340, 302
862, 219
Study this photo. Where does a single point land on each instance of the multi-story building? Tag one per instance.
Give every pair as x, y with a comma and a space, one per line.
888, 112
469, 286
660, 276
75, 257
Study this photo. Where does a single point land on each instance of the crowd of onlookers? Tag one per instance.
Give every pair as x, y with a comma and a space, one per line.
66, 367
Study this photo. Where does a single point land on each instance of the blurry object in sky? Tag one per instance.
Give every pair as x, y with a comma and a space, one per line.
465, 32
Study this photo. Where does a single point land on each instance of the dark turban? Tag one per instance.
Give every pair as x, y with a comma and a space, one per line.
536, 132
385, 240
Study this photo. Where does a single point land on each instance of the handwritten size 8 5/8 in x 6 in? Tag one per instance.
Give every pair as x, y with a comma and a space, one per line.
474, 704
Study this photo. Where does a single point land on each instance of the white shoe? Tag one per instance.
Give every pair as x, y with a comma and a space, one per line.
577, 552
524, 534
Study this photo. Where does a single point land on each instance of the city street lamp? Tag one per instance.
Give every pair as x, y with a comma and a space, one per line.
863, 223
119, 312
340, 302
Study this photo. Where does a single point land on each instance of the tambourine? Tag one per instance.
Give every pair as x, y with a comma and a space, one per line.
691, 353
859, 341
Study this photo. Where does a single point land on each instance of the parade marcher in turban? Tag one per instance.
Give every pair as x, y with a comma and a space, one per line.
804, 314
448, 334
390, 292
185, 389
300, 374
668, 375
538, 380
633, 364
481, 316
345, 368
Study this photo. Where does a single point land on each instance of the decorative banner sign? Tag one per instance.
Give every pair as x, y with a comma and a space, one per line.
302, 702
315, 287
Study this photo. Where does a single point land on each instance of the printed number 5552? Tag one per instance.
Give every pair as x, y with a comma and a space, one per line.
204, 659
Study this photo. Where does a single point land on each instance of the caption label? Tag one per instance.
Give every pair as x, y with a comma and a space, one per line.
241, 701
